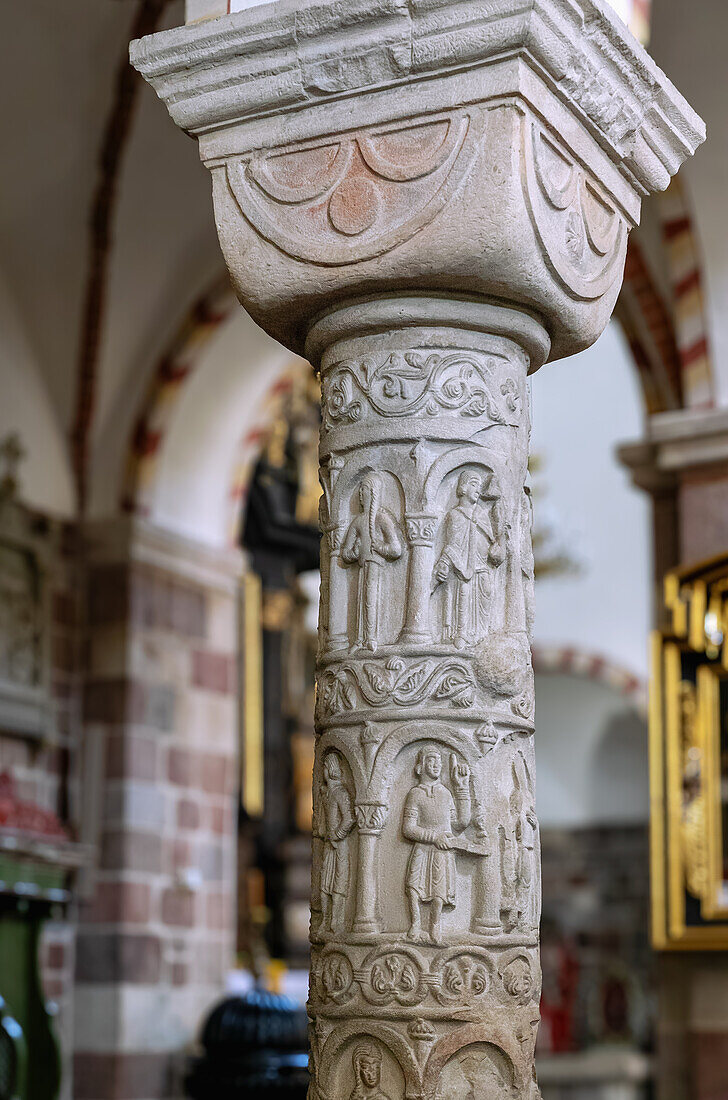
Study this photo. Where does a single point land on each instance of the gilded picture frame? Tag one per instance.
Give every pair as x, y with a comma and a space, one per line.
688, 725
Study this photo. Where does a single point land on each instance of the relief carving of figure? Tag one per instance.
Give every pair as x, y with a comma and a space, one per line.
473, 548
431, 818
335, 820
528, 566
367, 1063
373, 539
519, 858
520, 569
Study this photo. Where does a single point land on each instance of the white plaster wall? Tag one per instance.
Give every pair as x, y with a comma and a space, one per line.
222, 400
583, 407
591, 755
26, 408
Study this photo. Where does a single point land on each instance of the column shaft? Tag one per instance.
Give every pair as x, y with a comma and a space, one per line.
424, 767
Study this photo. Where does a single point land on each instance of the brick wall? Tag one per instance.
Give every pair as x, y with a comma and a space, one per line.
156, 934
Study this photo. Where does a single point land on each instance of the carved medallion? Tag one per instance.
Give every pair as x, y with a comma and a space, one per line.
394, 977
463, 978
336, 978
518, 980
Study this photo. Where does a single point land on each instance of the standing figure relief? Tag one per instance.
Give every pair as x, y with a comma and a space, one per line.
334, 823
474, 546
372, 540
431, 818
519, 861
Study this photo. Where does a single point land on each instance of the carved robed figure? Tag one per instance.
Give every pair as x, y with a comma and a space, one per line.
473, 549
334, 823
372, 540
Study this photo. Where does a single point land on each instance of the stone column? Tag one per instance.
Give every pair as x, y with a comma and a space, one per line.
429, 200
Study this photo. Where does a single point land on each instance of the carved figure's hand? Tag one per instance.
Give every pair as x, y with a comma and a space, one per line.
444, 843
350, 552
459, 774
442, 570
497, 553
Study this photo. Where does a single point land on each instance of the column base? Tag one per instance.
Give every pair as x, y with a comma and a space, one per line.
415, 637
483, 928
365, 927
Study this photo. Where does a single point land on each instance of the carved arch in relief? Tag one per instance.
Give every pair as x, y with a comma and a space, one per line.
351, 199
389, 462
486, 1036
582, 233
341, 743
409, 734
453, 459
334, 1052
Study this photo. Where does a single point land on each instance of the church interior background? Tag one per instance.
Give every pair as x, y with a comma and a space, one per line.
159, 550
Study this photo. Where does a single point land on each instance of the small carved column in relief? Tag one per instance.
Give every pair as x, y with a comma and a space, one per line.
370, 818
420, 537
335, 607
429, 214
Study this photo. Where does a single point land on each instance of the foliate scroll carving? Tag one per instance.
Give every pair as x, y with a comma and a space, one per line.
358, 196
421, 384
583, 234
395, 681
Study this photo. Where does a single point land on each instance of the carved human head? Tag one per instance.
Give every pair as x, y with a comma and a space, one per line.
367, 1061
332, 766
470, 485
429, 764
370, 490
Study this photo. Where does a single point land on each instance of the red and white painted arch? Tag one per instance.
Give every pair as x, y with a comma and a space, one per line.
686, 279
571, 661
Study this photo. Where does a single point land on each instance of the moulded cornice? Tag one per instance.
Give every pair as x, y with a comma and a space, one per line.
286, 56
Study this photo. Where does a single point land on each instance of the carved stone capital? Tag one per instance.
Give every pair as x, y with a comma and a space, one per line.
499, 151
370, 817
420, 529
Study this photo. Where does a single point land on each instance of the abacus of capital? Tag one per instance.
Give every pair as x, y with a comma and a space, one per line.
429, 199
